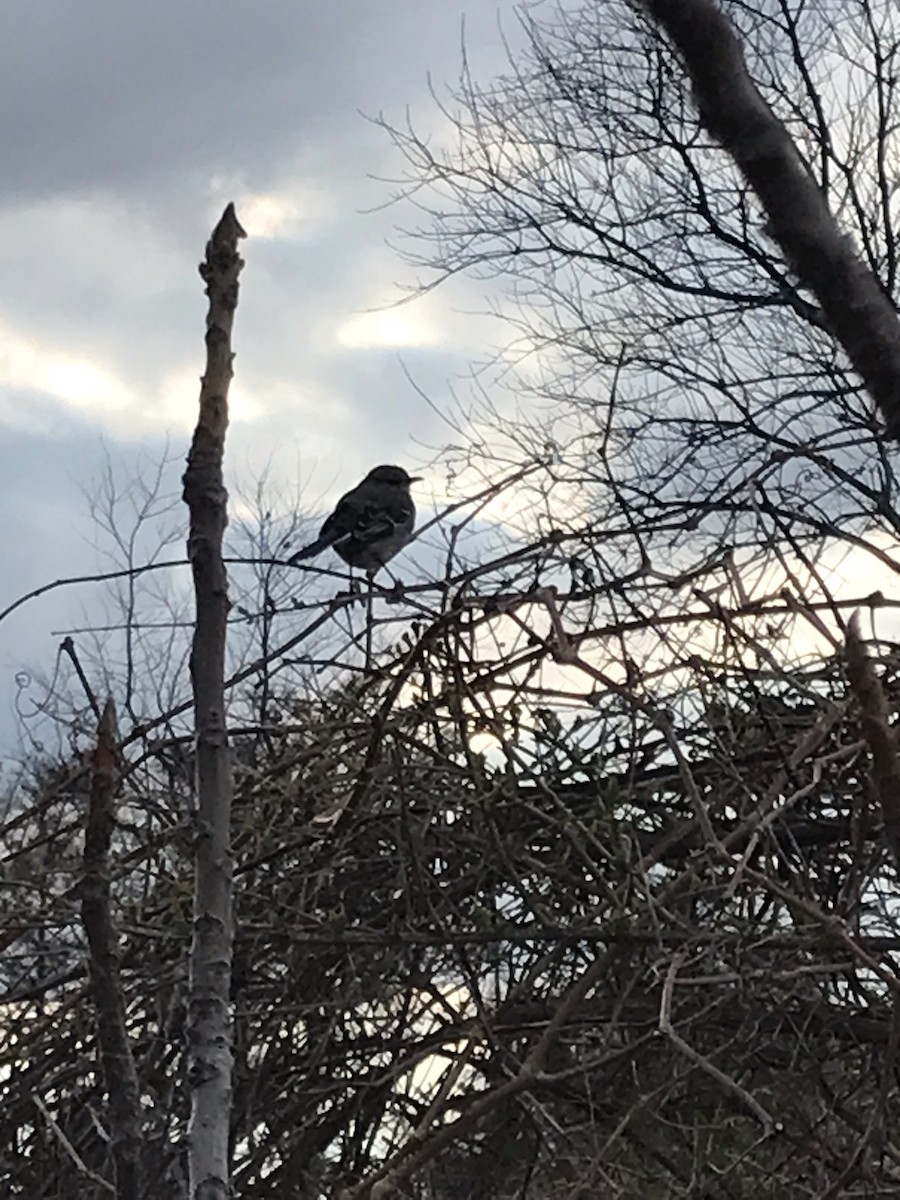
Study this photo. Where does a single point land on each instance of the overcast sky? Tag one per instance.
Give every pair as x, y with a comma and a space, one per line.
124, 129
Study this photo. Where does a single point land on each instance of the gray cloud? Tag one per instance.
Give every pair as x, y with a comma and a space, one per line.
102, 95
95, 95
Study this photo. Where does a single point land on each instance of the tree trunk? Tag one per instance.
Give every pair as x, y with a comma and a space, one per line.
209, 1021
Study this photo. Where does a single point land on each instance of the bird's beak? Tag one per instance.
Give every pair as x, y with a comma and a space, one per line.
416, 478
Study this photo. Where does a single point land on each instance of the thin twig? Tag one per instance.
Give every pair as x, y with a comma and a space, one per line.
769, 1124
67, 647
70, 1149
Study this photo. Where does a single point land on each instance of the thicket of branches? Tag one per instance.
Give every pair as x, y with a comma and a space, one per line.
585, 883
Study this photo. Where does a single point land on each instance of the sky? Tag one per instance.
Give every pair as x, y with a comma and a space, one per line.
124, 130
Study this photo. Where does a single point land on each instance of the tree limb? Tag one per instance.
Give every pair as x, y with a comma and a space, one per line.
209, 1029
876, 728
119, 1073
858, 312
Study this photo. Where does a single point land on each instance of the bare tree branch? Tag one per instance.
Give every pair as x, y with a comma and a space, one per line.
876, 728
667, 1029
67, 647
209, 1023
70, 1150
420, 1149
95, 577
119, 1072
731, 108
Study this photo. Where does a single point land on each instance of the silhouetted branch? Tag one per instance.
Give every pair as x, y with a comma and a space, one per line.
667, 1029
856, 308
67, 647
99, 577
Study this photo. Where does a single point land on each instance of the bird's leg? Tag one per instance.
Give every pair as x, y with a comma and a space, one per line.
370, 578
396, 593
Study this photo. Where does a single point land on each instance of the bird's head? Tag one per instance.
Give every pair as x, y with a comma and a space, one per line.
394, 476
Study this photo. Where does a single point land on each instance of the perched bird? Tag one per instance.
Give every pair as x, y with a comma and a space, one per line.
371, 523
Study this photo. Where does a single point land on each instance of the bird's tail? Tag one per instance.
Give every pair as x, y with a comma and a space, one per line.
311, 550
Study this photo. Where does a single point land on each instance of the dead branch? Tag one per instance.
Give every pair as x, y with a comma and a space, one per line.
209, 1030
116, 1058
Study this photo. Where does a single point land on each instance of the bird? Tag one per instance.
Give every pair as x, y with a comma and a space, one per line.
371, 523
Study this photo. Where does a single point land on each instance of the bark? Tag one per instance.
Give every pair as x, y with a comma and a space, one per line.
857, 311
209, 1030
119, 1076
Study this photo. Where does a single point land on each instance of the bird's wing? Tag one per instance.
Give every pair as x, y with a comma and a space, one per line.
367, 518
363, 516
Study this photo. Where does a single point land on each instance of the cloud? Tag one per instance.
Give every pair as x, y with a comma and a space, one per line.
28, 364
295, 213
394, 327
